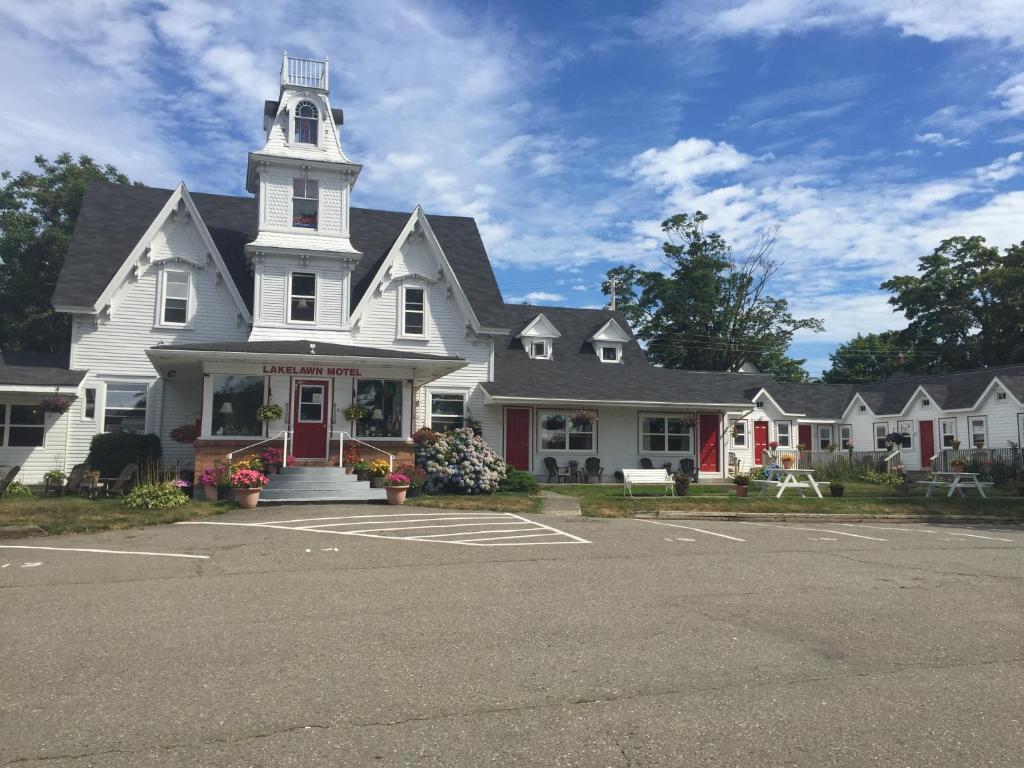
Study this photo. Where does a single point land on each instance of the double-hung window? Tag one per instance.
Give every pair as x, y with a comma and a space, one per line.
783, 431
175, 295
664, 433
125, 409
305, 202
414, 311
846, 436
906, 429
447, 411
739, 434
559, 431
979, 431
302, 302
947, 432
881, 435
89, 406
22, 426
824, 436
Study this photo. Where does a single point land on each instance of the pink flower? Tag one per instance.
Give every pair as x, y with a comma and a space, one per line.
248, 478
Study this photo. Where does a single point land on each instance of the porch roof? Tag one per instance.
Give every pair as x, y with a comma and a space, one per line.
40, 372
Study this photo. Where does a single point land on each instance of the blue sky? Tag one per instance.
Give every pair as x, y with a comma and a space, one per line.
865, 131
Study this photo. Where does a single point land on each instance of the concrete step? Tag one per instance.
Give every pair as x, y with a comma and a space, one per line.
340, 480
329, 496
311, 471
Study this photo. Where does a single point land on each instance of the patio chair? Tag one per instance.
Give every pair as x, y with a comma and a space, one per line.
646, 464
119, 486
689, 468
8, 479
555, 473
592, 468
75, 478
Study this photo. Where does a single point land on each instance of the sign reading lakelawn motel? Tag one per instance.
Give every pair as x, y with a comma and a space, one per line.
195, 309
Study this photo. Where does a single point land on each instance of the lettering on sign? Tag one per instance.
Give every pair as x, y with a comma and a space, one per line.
310, 370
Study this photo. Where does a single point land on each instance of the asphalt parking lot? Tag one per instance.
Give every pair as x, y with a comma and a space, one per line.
384, 637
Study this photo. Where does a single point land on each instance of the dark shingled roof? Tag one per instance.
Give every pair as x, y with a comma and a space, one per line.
38, 369
815, 401
949, 391
270, 109
114, 217
301, 347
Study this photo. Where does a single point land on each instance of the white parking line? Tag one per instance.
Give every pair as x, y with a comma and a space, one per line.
812, 530
103, 551
412, 520
927, 530
690, 528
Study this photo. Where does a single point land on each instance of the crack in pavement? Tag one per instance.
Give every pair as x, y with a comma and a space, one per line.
905, 567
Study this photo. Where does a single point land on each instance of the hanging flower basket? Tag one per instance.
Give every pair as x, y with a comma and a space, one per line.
186, 433
56, 404
357, 413
581, 419
269, 412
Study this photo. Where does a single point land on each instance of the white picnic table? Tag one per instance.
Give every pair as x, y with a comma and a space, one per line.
957, 482
783, 479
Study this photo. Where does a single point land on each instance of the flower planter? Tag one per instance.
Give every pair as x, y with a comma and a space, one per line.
348, 469
376, 482
363, 476
788, 461
396, 494
836, 491
741, 490
210, 492
247, 498
957, 466
273, 469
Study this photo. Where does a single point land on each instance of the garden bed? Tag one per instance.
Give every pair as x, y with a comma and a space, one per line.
80, 515
517, 503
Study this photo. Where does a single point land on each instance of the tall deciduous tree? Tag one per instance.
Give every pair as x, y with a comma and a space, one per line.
870, 357
708, 309
38, 211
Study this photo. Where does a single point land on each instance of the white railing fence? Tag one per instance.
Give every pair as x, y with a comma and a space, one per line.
284, 458
342, 436
310, 73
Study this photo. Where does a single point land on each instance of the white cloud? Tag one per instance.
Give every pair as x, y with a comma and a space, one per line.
536, 297
1011, 91
938, 140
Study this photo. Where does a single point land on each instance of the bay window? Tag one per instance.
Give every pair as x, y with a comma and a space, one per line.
125, 407
447, 411
383, 400
560, 431
664, 433
236, 399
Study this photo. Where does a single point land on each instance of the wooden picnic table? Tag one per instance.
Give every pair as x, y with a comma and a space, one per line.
957, 482
790, 478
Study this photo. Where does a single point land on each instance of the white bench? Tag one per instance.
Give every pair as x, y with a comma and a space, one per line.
660, 477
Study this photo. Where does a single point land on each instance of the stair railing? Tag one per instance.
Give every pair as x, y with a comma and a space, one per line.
341, 449
284, 459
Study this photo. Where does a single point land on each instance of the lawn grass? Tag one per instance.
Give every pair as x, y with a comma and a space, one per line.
498, 502
860, 499
79, 515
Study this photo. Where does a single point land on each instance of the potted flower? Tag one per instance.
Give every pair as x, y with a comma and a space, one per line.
56, 405
378, 471
417, 477
362, 470
349, 457
186, 433
836, 490
247, 484
54, 479
269, 412
742, 484
396, 484
958, 465
894, 440
582, 419
357, 413
181, 485
211, 479
271, 458
682, 481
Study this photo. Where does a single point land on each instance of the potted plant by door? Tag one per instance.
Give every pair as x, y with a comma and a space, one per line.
210, 479
742, 483
270, 458
349, 457
396, 484
247, 484
378, 471
362, 470
417, 477
836, 490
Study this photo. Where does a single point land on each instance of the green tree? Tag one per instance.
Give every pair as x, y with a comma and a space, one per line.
38, 211
869, 357
965, 306
709, 310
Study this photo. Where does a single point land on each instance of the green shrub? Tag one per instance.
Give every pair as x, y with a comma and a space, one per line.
155, 496
110, 452
886, 479
17, 490
518, 482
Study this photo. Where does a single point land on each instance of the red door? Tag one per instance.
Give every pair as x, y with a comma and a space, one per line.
760, 441
309, 419
805, 435
708, 424
517, 438
926, 434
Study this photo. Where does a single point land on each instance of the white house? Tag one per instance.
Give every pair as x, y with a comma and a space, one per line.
196, 309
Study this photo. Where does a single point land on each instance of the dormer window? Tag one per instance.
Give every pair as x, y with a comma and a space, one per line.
608, 341
539, 349
305, 202
610, 353
306, 118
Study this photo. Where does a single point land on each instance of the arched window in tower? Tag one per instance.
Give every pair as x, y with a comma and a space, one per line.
306, 115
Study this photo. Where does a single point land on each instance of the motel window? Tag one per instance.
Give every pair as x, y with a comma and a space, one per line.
175, 298
125, 408
881, 435
739, 434
559, 431
89, 408
979, 431
305, 202
846, 436
783, 431
236, 399
414, 312
23, 426
383, 400
663, 433
824, 436
906, 428
447, 411
610, 353
539, 349
947, 431
306, 117
302, 307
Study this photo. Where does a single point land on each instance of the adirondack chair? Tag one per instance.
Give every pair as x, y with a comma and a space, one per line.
75, 478
555, 473
689, 467
592, 468
8, 479
119, 486
646, 464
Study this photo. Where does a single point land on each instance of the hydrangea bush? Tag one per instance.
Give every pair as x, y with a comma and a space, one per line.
460, 462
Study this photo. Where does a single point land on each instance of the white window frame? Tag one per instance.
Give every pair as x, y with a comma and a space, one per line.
926, 402
305, 180
617, 348
845, 436
6, 424
292, 136
883, 439
85, 402
459, 392
144, 383
532, 352
403, 333
315, 297
688, 435
907, 433
161, 302
542, 414
742, 442
1000, 395
943, 434
788, 443
818, 431
984, 427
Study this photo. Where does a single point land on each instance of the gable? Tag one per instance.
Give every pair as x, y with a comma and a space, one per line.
539, 328
611, 331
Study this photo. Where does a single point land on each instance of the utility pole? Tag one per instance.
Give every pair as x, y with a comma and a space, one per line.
612, 282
